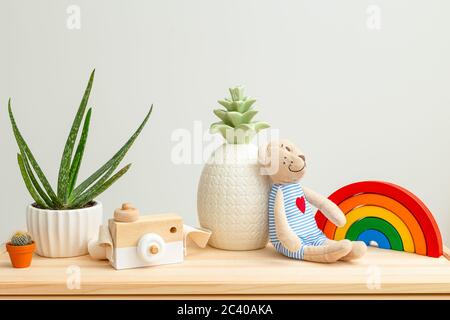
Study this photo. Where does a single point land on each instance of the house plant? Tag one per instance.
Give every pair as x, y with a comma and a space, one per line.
20, 249
232, 194
63, 221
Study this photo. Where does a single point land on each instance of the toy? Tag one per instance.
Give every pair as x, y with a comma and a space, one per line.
131, 241
292, 227
20, 249
385, 215
127, 213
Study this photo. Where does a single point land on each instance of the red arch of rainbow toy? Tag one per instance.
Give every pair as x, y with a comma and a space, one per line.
425, 226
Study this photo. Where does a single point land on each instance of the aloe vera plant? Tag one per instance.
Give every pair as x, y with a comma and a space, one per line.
236, 124
67, 196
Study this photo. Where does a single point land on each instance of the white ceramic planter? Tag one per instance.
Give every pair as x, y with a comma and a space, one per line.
233, 198
63, 233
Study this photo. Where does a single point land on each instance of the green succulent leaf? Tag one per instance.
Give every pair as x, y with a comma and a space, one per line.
248, 116
236, 118
237, 93
246, 127
238, 106
35, 183
261, 125
29, 185
227, 104
213, 127
96, 190
76, 162
110, 165
222, 115
222, 128
65, 166
25, 150
247, 104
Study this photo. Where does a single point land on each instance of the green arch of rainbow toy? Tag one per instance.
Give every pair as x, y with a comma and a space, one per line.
387, 214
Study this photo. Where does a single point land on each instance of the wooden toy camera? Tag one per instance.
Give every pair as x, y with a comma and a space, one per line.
132, 241
156, 239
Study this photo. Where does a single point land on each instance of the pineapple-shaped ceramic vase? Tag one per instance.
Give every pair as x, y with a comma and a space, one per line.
232, 193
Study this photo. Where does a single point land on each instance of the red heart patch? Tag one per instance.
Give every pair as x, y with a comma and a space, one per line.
300, 202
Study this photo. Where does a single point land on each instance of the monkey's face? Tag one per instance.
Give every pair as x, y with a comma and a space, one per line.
289, 159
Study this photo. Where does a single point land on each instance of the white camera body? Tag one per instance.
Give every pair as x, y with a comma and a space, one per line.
148, 241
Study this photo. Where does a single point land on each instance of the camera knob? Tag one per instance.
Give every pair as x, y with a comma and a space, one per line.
151, 247
154, 249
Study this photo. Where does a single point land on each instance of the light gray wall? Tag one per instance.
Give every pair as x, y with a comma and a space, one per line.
362, 103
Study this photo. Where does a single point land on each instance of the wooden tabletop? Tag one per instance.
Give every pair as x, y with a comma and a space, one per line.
212, 273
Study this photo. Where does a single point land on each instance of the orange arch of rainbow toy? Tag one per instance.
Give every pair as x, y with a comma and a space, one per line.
395, 205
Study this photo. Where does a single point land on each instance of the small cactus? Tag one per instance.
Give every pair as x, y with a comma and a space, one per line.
21, 239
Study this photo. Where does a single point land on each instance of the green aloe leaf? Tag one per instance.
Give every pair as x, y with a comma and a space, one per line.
76, 162
29, 184
95, 191
110, 165
98, 182
36, 184
64, 169
25, 150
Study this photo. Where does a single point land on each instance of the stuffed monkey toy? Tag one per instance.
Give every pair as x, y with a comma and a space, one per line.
292, 227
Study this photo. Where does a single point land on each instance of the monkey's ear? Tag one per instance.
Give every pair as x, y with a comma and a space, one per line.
268, 153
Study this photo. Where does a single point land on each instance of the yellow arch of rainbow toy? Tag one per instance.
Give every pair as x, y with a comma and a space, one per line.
389, 204
378, 212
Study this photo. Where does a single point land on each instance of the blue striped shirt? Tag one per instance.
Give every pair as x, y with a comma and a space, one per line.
303, 224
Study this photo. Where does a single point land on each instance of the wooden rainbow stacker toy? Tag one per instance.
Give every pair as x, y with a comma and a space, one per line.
385, 215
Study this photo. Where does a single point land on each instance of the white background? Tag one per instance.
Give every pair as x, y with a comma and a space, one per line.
362, 103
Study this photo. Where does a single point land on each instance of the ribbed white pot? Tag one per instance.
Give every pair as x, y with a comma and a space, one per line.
232, 198
63, 233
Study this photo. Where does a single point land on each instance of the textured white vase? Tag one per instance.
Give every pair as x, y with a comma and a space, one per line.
232, 198
63, 233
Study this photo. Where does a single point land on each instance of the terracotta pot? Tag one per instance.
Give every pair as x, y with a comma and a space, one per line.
21, 255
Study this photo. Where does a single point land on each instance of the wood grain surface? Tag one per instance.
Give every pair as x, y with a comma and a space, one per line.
216, 273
